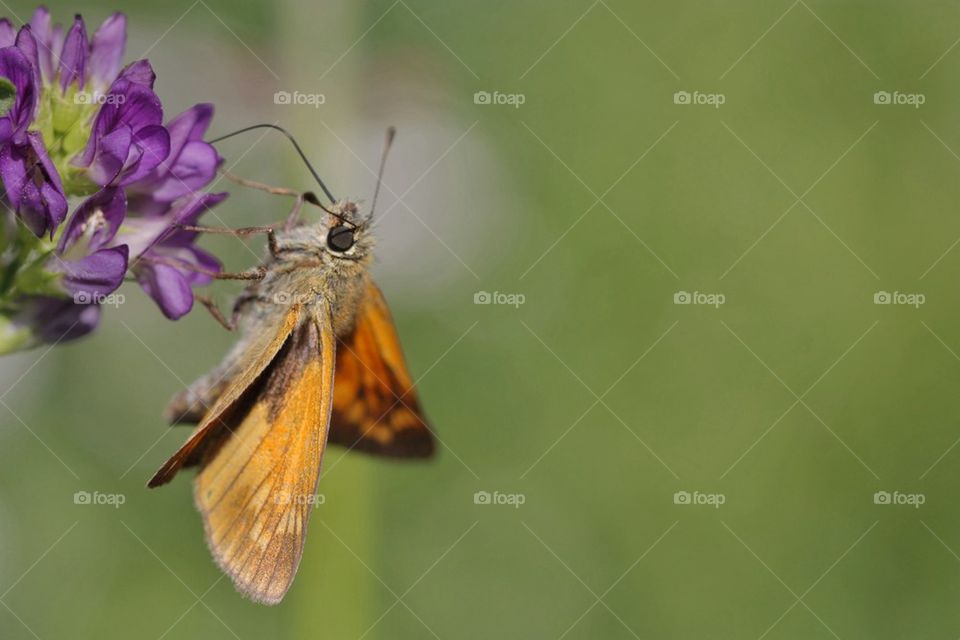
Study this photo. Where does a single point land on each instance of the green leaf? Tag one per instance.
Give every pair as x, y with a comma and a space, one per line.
8, 93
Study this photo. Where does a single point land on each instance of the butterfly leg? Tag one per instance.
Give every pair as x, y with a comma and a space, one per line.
301, 197
256, 273
211, 306
242, 231
294, 214
253, 184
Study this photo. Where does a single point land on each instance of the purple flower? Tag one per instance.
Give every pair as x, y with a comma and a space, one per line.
128, 140
190, 165
168, 264
16, 68
73, 122
47, 320
32, 185
106, 50
74, 58
31, 182
92, 268
7, 33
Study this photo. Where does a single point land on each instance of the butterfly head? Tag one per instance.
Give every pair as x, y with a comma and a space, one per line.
346, 232
343, 236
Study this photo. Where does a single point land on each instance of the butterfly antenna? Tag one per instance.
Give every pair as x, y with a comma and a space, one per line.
296, 146
391, 134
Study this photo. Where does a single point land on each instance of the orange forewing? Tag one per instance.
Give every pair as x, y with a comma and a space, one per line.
256, 490
375, 406
262, 351
259, 455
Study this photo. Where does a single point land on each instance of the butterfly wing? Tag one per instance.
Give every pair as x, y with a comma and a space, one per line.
375, 406
257, 354
255, 490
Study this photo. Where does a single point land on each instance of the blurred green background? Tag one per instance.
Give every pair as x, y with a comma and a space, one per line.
600, 199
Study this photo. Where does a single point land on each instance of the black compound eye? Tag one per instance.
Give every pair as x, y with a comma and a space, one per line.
340, 238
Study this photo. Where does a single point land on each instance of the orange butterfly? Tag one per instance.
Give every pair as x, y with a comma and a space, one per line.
319, 361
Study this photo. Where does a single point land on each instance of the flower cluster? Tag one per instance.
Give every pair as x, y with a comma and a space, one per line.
79, 130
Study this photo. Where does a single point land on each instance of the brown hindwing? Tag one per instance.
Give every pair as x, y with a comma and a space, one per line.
375, 406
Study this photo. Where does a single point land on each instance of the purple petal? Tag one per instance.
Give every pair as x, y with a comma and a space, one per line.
187, 126
52, 201
109, 42
168, 288
48, 41
145, 234
69, 322
191, 163
111, 204
56, 49
142, 232
139, 107
13, 172
32, 185
139, 72
153, 145
190, 211
15, 67
111, 154
194, 169
28, 45
55, 320
136, 109
73, 59
7, 33
205, 262
96, 275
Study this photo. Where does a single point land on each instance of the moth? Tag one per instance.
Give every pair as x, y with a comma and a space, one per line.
318, 361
